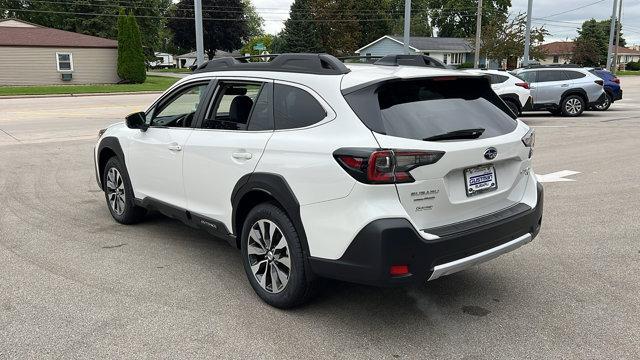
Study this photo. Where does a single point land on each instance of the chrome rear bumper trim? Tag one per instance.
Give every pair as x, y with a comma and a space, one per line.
475, 259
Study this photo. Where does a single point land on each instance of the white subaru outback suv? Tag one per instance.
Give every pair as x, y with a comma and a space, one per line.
375, 174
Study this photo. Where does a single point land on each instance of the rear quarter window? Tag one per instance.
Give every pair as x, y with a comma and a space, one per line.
419, 109
572, 75
295, 108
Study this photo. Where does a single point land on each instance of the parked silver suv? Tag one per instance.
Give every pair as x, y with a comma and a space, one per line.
566, 91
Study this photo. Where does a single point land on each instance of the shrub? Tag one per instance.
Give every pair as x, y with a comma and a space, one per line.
467, 65
633, 65
131, 65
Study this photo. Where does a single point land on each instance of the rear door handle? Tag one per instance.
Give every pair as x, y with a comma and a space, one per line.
175, 147
242, 155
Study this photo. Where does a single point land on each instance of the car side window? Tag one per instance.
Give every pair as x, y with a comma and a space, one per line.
551, 75
295, 108
528, 76
498, 79
572, 75
233, 105
179, 110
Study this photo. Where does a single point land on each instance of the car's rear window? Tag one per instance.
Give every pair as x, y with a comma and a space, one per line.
422, 108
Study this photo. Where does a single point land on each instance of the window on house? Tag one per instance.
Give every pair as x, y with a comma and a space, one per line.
556, 59
456, 58
64, 61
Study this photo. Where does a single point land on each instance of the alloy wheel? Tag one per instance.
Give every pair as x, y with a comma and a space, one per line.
115, 191
573, 106
269, 257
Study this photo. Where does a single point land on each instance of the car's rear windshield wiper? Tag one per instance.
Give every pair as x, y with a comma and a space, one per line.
458, 134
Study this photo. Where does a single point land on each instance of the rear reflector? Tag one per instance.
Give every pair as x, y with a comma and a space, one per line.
374, 166
399, 270
523, 85
616, 80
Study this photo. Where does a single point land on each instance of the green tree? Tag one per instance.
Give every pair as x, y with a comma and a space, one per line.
420, 22
605, 25
255, 22
505, 41
92, 18
457, 18
300, 33
123, 42
266, 40
591, 45
131, 60
225, 25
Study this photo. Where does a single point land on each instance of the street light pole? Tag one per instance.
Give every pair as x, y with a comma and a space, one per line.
407, 25
612, 29
527, 35
197, 4
476, 60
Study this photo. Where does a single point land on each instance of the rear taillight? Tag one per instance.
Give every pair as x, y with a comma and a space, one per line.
616, 80
375, 166
599, 82
524, 85
529, 140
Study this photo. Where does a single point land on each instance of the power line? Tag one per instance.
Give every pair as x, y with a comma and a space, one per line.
578, 8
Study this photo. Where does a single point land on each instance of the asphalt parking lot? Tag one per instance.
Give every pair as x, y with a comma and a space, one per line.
75, 284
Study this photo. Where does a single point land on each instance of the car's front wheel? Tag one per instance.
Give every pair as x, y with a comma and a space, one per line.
572, 105
273, 258
119, 194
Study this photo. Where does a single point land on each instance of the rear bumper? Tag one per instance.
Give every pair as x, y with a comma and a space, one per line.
386, 242
617, 95
600, 100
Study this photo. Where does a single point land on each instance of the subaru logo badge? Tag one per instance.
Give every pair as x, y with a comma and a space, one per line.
490, 153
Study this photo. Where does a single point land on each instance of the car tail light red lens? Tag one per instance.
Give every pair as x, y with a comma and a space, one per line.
524, 85
599, 82
399, 270
374, 166
616, 80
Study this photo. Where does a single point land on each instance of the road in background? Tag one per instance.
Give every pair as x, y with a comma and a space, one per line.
75, 284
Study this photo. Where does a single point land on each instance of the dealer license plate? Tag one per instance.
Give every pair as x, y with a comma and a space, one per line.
480, 179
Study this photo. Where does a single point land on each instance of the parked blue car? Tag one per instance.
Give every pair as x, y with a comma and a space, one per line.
611, 88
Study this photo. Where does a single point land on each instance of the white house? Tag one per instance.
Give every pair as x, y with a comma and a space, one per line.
165, 60
451, 51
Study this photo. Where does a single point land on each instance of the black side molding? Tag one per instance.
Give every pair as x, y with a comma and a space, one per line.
274, 186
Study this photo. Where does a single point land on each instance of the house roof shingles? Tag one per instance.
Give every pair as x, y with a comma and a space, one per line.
438, 43
566, 48
47, 37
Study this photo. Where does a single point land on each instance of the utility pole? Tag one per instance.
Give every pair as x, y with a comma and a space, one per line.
527, 35
407, 25
618, 24
476, 60
612, 29
197, 4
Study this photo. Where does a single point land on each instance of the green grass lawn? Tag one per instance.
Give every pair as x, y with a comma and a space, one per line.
172, 70
627, 72
153, 83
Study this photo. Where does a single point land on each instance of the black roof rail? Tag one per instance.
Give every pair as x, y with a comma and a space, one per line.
552, 66
368, 58
410, 60
321, 64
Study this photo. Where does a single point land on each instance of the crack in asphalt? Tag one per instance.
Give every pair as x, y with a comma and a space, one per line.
9, 135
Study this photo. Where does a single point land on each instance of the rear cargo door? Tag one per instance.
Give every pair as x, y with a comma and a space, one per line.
485, 163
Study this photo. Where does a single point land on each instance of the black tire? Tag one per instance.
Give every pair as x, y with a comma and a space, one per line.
513, 106
298, 287
604, 106
123, 209
572, 106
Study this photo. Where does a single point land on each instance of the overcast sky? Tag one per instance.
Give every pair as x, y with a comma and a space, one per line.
561, 26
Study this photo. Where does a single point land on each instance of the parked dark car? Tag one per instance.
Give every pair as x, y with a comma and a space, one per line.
611, 87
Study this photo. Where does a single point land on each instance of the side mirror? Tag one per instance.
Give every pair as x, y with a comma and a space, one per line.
136, 121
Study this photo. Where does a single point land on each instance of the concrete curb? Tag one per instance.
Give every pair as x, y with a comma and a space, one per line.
79, 95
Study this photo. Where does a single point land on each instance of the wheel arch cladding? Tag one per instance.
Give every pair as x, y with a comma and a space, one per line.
576, 91
256, 188
109, 147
